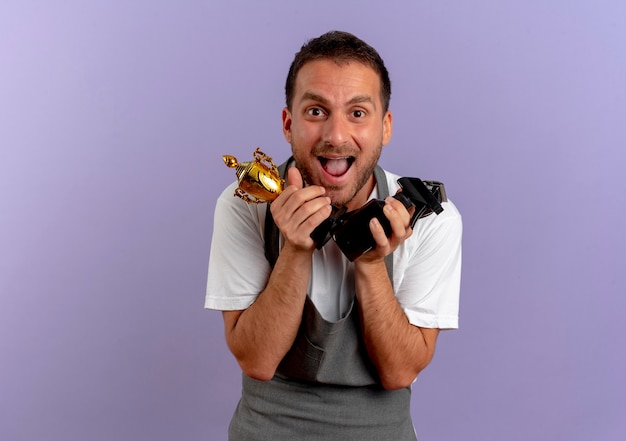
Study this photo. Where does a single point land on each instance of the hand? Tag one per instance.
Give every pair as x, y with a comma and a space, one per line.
298, 210
399, 218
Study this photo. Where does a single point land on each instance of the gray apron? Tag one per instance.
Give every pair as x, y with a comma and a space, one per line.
326, 387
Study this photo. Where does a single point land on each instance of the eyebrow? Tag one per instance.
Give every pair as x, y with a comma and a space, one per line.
354, 100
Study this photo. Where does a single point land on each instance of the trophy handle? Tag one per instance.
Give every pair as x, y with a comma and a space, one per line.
246, 197
262, 157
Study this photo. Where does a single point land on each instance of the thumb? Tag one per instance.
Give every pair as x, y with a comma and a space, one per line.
294, 177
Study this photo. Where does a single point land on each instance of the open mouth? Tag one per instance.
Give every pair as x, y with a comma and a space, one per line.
336, 166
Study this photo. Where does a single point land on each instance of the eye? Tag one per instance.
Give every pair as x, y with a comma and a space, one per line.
358, 113
315, 111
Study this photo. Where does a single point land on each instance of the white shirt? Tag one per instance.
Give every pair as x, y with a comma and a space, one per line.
426, 267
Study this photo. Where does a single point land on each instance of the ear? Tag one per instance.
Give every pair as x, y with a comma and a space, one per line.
287, 124
387, 127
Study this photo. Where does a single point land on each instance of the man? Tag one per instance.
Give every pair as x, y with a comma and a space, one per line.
329, 348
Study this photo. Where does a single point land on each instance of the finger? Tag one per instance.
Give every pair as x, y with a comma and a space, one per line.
294, 184
382, 248
309, 208
296, 194
399, 220
296, 208
398, 215
294, 177
378, 233
297, 226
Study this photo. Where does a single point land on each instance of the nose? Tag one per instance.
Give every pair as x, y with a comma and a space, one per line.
336, 131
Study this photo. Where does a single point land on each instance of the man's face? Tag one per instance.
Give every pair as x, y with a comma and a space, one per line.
337, 128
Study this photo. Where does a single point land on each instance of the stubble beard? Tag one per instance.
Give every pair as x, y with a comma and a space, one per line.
362, 178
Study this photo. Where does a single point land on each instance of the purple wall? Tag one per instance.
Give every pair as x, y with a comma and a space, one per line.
113, 119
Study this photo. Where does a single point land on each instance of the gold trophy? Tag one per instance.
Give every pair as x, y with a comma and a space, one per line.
259, 180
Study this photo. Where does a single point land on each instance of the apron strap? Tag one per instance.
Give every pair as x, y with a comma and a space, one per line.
272, 235
383, 192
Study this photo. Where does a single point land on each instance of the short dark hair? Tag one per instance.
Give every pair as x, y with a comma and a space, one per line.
341, 47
